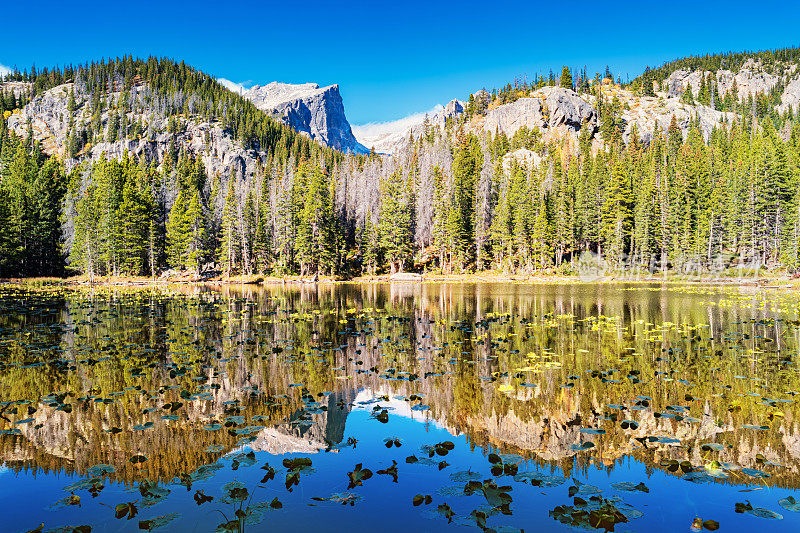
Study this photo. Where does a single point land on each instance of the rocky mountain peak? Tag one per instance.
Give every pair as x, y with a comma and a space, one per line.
390, 137
309, 109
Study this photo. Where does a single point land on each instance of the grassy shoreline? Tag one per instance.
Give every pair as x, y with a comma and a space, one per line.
767, 281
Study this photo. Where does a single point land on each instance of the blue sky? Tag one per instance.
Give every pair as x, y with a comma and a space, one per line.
392, 59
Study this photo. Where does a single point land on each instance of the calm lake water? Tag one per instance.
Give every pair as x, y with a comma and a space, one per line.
404, 407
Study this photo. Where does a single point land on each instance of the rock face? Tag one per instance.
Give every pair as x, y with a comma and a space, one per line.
308, 108
509, 118
791, 96
452, 109
750, 79
650, 113
568, 109
318, 112
546, 108
49, 116
522, 156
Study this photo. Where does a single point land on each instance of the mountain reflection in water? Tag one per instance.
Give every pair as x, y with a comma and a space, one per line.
691, 386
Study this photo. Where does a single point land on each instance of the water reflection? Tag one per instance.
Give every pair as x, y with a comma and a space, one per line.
697, 383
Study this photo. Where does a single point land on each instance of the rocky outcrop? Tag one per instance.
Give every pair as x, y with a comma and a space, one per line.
751, 78
566, 108
452, 109
546, 108
523, 157
49, 118
791, 96
509, 118
310, 109
648, 114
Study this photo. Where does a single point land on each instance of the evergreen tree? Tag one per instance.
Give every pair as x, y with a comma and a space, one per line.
134, 214
315, 236
196, 233
178, 233
566, 78
688, 96
229, 247
394, 225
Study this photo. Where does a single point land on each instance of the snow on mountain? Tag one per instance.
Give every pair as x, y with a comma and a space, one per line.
388, 137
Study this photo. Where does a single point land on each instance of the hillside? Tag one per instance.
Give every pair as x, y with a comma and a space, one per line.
148, 167
721, 85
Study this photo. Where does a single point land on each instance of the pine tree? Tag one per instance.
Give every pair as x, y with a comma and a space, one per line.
647, 83
539, 246
229, 248
688, 96
369, 243
86, 242
394, 225
315, 236
439, 234
196, 233
566, 78
262, 239
178, 233
617, 214
247, 229
134, 215
703, 94
501, 229
461, 216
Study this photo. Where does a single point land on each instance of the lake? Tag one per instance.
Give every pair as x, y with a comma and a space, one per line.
399, 407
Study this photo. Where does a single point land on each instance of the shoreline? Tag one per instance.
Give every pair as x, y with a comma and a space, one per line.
487, 277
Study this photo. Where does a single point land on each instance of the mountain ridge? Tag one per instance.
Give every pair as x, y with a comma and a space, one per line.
315, 111
507, 180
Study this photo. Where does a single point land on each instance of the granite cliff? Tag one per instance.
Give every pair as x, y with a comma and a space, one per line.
309, 109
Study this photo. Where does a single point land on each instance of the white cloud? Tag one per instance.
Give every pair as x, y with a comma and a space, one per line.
375, 130
232, 85
4, 70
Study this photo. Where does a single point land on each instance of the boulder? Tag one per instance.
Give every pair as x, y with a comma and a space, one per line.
523, 156
549, 107
509, 118
568, 109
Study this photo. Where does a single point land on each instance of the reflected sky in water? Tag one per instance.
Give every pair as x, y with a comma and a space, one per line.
688, 390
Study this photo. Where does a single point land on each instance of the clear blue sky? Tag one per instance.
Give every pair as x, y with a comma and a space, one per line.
395, 58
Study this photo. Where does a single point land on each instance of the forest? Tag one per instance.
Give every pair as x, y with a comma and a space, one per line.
446, 203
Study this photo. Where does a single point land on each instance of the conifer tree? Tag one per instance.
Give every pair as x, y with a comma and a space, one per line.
688, 96
178, 233
134, 214
196, 233
616, 214
229, 247
394, 225
315, 237
566, 78
262, 240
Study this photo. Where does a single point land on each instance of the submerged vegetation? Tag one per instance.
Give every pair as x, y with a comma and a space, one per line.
579, 405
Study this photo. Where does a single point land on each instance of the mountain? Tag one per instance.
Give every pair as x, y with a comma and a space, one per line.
389, 137
55, 126
309, 109
556, 112
509, 180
